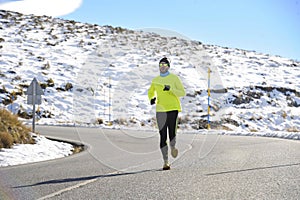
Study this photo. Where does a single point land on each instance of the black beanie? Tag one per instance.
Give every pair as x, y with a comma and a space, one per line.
164, 60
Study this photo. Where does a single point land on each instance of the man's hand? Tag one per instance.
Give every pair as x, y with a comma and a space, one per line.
153, 101
167, 88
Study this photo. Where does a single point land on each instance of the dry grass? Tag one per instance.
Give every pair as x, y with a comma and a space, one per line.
293, 129
78, 148
6, 140
13, 131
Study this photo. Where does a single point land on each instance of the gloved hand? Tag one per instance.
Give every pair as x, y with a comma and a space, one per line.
153, 101
167, 88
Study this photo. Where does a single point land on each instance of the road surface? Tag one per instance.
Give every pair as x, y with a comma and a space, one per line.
124, 164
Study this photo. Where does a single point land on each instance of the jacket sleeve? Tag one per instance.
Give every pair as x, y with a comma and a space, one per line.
151, 92
179, 90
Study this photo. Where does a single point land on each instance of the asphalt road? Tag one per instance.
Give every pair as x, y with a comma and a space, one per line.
123, 164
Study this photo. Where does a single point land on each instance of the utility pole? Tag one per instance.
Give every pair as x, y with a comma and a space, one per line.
208, 99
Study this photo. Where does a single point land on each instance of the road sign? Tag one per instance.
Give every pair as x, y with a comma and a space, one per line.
34, 88
37, 100
34, 93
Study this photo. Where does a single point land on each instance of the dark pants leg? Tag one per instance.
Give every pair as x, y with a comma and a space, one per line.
167, 121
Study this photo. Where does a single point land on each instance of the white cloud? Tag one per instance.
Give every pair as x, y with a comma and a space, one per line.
54, 8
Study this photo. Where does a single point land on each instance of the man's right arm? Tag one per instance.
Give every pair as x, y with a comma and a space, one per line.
151, 94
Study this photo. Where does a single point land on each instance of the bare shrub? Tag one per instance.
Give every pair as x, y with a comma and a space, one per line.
6, 140
12, 130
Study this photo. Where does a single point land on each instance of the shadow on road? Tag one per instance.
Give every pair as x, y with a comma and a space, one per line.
252, 169
67, 180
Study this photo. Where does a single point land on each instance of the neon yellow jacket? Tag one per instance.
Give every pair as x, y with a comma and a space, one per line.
166, 100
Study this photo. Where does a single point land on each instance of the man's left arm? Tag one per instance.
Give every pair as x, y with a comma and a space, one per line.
178, 90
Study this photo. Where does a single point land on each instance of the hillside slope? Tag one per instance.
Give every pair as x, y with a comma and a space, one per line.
92, 74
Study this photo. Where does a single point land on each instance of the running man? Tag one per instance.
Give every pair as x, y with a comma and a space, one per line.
165, 91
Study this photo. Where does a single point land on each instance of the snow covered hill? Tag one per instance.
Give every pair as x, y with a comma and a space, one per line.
92, 75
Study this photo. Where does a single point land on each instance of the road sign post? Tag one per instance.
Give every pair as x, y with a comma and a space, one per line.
34, 93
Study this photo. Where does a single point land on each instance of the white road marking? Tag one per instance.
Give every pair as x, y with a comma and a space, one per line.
68, 189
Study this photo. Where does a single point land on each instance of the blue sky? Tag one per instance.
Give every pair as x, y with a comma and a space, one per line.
266, 26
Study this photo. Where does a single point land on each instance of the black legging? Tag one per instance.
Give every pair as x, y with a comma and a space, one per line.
167, 121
